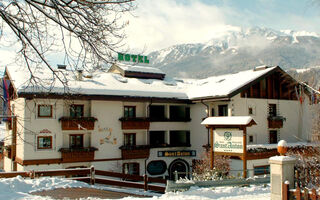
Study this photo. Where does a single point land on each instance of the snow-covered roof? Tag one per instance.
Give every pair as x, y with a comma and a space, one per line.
274, 146
233, 120
103, 83
141, 69
224, 85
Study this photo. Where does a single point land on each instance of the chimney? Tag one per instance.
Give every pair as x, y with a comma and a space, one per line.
62, 66
79, 75
262, 67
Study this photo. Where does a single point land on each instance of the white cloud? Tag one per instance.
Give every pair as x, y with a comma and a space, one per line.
160, 24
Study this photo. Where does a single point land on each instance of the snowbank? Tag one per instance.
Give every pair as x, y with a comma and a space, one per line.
19, 188
218, 193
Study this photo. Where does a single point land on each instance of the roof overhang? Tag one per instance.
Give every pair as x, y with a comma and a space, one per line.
102, 97
229, 122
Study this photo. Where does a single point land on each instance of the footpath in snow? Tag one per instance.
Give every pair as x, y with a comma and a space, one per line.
19, 188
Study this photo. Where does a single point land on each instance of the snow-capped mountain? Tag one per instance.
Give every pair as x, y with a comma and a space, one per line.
240, 50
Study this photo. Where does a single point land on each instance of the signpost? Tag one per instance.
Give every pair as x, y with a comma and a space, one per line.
229, 137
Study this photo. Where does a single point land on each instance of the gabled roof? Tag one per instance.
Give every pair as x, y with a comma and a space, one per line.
227, 85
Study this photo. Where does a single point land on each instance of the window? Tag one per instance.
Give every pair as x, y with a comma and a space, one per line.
212, 112
44, 142
250, 138
157, 138
179, 138
156, 167
157, 112
250, 111
76, 110
129, 111
272, 110
131, 168
129, 139
260, 170
76, 141
223, 110
44, 110
179, 113
273, 137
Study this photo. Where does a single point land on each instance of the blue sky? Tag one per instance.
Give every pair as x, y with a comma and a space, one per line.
160, 24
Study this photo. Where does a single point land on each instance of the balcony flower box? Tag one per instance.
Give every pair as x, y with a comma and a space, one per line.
135, 123
135, 152
79, 123
275, 121
78, 154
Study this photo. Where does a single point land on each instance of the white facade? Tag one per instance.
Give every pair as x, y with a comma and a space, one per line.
108, 135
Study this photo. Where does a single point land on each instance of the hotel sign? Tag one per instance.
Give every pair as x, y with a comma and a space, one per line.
133, 58
228, 141
176, 153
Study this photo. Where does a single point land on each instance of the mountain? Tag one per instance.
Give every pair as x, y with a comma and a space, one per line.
310, 75
240, 50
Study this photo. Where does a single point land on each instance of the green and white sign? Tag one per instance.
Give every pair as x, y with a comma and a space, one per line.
228, 141
133, 58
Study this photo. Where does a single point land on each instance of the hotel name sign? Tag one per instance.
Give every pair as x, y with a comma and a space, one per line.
133, 58
230, 141
184, 153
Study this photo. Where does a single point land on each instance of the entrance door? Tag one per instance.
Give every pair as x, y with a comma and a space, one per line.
181, 166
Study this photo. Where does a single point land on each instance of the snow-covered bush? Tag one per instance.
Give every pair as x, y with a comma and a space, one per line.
307, 167
202, 171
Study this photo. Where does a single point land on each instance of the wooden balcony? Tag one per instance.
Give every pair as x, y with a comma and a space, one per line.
135, 152
77, 155
275, 121
81, 123
135, 123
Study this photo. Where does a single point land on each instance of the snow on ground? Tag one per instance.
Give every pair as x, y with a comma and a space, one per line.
219, 193
19, 188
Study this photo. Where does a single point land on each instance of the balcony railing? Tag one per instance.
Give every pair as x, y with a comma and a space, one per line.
164, 119
135, 152
79, 123
77, 154
135, 123
275, 121
261, 154
169, 145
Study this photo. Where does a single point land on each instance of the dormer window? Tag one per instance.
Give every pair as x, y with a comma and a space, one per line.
135, 71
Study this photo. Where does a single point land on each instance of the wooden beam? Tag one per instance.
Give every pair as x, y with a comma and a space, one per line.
211, 148
56, 161
244, 152
14, 143
270, 87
